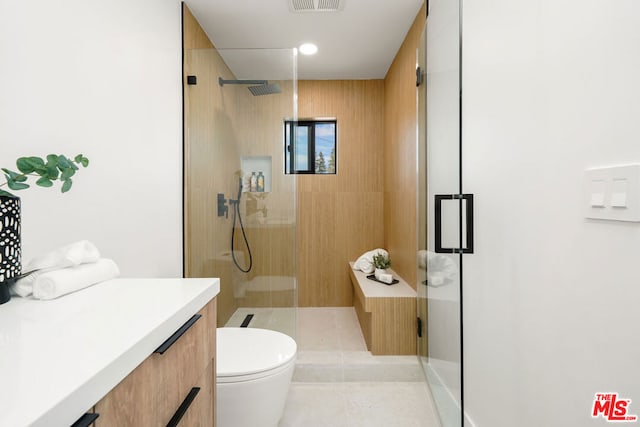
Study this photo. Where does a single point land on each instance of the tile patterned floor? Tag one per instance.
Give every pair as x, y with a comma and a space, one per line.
338, 383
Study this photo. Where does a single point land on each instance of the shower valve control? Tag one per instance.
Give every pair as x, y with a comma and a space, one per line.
223, 209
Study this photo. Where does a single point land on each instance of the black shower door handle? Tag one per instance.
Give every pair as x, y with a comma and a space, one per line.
468, 247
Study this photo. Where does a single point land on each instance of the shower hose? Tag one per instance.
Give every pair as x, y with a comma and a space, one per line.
236, 213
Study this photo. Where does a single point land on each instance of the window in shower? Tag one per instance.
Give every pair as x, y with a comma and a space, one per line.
310, 146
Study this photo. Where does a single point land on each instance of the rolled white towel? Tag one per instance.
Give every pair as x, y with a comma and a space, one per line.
365, 262
66, 256
24, 287
364, 265
54, 284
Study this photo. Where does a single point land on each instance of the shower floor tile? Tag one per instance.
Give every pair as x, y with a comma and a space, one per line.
329, 329
337, 382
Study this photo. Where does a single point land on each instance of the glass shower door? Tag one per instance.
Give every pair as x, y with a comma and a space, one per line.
239, 204
446, 211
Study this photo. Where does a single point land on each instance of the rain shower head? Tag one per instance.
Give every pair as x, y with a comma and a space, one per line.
260, 87
265, 89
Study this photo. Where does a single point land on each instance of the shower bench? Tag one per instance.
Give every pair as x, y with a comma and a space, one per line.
387, 314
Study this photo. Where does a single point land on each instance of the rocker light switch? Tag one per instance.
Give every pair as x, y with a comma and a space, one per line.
619, 193
597, 193
613, 193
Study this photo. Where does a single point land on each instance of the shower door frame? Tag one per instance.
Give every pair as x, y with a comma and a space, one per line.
460, 207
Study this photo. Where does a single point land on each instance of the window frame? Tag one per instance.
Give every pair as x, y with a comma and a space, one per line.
289, 168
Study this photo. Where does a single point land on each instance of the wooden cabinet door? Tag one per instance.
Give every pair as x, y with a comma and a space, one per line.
201, 411
152, 393
132, 402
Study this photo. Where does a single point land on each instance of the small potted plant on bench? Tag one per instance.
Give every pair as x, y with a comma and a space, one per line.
381, 262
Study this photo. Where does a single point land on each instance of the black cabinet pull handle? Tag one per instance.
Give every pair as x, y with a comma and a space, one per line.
86, 420
438, 198
177, 334
184, 406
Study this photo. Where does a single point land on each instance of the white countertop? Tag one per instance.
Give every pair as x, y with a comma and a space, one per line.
60, 357
373, 289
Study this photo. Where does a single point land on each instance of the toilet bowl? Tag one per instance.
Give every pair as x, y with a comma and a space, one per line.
254, 369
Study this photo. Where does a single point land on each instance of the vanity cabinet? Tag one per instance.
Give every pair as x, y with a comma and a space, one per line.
202, 411
154, 392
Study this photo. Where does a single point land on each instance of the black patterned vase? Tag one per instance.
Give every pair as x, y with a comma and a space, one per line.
10, 249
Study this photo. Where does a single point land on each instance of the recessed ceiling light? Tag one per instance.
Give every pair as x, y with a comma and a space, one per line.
308, 49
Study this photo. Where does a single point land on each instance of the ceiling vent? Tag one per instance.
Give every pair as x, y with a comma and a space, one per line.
300, 6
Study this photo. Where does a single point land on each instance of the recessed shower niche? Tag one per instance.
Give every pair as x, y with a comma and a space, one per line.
256, 165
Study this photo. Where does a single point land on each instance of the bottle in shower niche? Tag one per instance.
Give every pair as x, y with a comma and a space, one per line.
253, 182
260, 184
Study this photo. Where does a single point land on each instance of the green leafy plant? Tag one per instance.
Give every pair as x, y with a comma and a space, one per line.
381, 261
56, 167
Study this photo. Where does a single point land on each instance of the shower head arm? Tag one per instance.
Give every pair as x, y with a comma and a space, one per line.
223, 82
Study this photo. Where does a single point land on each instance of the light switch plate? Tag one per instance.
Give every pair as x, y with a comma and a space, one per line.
613, 193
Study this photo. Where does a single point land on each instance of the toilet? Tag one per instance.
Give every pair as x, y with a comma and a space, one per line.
254, 371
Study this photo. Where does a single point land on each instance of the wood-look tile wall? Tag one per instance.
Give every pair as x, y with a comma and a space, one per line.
340, 216
400, 231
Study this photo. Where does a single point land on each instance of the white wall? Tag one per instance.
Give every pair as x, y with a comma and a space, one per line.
102, 78
551, 88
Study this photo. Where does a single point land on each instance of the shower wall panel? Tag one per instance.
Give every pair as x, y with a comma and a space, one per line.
341, 216
400, 223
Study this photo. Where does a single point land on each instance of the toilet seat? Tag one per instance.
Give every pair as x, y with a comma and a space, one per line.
245, 354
